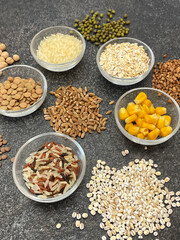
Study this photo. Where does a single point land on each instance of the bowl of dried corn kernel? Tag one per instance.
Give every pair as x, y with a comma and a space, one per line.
125, 61
22, 90
147, 116
58, 48
49, 167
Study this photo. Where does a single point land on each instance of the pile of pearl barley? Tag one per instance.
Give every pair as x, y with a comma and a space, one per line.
132, 200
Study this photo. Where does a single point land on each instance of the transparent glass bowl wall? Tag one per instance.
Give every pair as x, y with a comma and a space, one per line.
125, 81
157, 101
32, 145
54, 30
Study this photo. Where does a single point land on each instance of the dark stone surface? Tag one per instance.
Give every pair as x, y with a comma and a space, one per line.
157, 23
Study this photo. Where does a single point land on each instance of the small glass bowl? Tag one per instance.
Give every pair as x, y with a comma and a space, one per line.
24, 71
158, 101
125, 81
53, 30
32, 145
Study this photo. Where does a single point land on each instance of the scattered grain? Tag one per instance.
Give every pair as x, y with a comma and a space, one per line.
58, 225
78, 216
109, 112
81, 226
77, 223
130, 200
76, 112
111, 102
85, 215
74, 214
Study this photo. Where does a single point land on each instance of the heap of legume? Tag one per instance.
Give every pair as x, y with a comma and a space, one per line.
124, 60
3, 149
92, 29
19, 93
59, 48
76, 112
166, 77
51, 171
132, 200
5, 59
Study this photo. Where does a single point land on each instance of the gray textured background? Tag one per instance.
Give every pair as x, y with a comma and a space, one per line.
157, 23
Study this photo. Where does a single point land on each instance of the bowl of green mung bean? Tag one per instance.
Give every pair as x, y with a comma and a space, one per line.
125, 61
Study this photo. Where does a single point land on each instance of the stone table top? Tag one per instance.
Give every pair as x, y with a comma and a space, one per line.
156, 23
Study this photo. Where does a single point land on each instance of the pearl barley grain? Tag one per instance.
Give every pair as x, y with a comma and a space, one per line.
84, 215
58, 225
112, 188
74, 214
117, 58
77, 223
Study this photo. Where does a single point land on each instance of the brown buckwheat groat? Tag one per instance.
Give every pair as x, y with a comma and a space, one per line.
166, 77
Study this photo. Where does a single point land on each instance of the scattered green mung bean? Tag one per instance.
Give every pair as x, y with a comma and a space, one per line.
97, 32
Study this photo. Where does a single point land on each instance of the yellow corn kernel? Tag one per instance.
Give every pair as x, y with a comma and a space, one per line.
144, 131
140, 98
123, 114
148, 126
160, 110
151, 118
167, 120
132, 108
145, 108
128, 125
153, 134
165, 131
139, 122
133, 130
140, 135
131, 118
151, 109
141, 114
147, 102
161, 122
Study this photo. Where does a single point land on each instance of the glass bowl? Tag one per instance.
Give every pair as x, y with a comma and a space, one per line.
53, 30
157, 101
32, 145
24, 71
125, 81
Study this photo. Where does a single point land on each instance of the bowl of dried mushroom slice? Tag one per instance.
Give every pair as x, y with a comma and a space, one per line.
125, 61
49, 167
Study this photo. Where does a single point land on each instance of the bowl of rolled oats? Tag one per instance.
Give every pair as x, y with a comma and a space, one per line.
125, 61
49, 167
